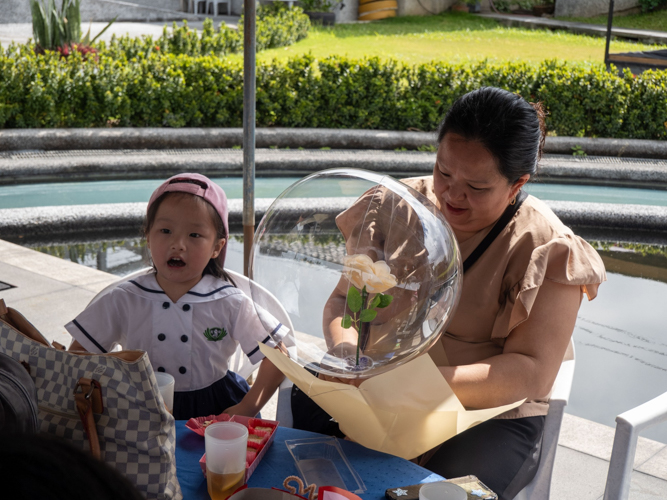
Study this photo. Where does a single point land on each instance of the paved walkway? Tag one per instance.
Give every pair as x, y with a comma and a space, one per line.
531, 22
21, 32
51, 291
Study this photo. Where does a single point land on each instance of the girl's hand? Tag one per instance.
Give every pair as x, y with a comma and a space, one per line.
267, 381
240, 409
77, 347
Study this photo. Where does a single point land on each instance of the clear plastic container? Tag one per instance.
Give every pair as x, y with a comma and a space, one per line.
321, 461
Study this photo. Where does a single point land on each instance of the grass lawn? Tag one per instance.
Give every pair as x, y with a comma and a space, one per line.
452, 37
655, 21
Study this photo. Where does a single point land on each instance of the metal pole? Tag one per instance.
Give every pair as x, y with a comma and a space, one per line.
610, 16
249, 14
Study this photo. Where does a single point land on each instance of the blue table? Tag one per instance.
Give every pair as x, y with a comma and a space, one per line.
379, 471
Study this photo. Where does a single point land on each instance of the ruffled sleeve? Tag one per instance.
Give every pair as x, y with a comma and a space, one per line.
364, 238
566, 259
383, 226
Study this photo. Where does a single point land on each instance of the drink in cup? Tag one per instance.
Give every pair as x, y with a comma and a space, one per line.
221, 486
226, 444
165, 384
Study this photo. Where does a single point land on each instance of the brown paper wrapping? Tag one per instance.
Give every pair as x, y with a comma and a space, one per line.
404, 412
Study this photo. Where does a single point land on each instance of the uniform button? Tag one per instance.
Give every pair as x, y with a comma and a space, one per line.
182, 369
165, 305
186, 307
184, 338
161, 337
160, 369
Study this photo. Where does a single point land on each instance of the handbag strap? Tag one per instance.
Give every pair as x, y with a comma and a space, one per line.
88, 402
16, 320
495, 231
3, 311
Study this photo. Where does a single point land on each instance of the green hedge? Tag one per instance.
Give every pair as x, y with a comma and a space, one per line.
277, 26
206, 91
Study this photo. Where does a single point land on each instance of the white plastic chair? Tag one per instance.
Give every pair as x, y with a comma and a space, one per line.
213, 7
540, 487
628, 427
240, 362
193, 6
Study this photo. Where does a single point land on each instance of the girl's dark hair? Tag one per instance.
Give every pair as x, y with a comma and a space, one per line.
213, 267
509, 127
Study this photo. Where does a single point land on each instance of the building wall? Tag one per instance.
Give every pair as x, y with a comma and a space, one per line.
132, 10
350, 10
422, 7
346, 11
15, 11
589, 8
18, 11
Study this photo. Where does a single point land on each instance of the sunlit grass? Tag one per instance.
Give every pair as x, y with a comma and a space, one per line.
449, 37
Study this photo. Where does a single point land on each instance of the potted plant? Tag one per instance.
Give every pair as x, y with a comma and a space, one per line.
320, 10
474, 6
544, 7
61, 30
460, 6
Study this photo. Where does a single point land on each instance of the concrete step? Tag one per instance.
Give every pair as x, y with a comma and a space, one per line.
28, 167
12, 140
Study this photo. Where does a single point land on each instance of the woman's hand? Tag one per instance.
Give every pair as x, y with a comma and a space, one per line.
341, 351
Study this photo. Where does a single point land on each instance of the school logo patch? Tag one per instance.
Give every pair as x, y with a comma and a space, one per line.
215, 334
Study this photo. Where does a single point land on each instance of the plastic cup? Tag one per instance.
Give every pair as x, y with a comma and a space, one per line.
165, 383
442, 491
226, 444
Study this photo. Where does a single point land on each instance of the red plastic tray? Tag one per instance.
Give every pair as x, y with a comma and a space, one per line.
248, 422
199, 425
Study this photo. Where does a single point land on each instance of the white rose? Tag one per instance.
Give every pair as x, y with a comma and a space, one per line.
362, 271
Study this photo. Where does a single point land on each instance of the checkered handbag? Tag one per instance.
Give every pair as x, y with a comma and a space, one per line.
108, 403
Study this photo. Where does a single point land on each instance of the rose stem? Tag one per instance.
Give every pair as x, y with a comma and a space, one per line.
364, 298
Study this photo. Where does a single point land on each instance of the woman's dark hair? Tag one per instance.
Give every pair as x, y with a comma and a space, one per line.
508, 126
44, 466
213, 267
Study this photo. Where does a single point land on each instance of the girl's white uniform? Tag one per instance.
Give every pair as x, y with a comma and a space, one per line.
191, 339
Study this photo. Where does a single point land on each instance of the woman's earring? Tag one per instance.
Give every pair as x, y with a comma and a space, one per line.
513, 201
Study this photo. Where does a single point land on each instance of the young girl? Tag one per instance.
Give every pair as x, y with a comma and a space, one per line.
187, 314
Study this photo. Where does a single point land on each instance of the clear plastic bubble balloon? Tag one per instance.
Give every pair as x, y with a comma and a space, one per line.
366, 267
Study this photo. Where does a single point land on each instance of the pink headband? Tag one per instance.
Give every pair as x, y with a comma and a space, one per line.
202, 186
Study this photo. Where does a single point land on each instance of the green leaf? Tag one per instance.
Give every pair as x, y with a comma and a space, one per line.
385, 300
368, 315
39, 24
375, 302
103, 30
346, 322
353, 299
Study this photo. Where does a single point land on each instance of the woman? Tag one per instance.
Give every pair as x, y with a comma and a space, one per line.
520, 297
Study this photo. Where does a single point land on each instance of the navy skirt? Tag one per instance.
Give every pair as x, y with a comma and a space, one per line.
211, 400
